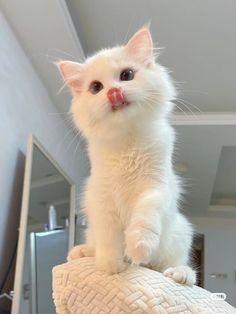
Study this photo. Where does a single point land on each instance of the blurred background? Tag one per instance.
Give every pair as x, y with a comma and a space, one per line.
198, 46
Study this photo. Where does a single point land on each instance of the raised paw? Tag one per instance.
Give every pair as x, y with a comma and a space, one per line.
79, 251
141, 245
181, 274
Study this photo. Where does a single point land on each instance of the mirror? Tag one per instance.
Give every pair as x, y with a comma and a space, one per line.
46, 230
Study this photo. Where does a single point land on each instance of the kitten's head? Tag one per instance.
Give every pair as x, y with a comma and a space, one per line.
119, 89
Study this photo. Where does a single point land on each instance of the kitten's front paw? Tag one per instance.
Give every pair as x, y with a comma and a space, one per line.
181, 274
110, 265
79, 251
141, 244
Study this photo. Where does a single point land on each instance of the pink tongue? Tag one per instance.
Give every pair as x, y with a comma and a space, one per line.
115, 96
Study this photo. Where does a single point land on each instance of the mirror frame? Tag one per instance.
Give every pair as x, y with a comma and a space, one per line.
32, 141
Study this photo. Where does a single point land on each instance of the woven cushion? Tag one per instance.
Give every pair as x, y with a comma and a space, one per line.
79, 288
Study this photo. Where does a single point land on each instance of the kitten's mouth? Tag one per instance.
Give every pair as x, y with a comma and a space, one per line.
120, 105
117, 99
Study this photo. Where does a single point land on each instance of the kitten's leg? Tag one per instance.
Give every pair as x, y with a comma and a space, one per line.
109, 243
175, 252
143, 233
83, 250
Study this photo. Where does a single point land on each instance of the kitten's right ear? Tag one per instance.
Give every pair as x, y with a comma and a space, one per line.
71, 73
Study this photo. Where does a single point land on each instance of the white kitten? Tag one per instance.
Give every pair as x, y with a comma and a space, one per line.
121, 103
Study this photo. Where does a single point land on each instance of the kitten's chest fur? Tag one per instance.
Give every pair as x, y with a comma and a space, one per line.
133, 165
123, 174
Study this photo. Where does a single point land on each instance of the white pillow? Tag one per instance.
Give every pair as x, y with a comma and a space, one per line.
79, 288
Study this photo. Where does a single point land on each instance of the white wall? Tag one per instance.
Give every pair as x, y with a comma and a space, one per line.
46, 32
219, 254
25, 107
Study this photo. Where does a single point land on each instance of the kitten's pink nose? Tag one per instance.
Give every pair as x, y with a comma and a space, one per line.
115, 96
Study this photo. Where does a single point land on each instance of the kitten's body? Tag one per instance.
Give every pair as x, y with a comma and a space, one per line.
131, 197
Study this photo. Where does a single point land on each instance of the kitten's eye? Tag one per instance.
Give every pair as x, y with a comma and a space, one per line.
127, 75
95, 87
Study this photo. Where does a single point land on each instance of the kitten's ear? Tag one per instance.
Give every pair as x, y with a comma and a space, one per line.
140, 47
71, 73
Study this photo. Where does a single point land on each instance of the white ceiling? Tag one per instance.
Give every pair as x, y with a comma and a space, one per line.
225, 185
198, 36
206, 176
200, 49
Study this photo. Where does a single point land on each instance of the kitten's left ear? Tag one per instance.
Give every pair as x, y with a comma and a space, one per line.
140, 47
72, 74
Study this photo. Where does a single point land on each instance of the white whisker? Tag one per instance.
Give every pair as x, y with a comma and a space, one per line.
190, 104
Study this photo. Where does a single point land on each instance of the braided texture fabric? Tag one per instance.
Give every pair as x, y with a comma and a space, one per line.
79, 288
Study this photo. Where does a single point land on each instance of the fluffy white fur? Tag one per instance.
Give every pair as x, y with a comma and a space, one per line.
131, 197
